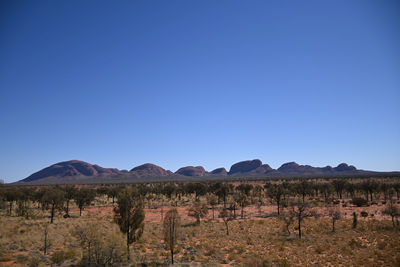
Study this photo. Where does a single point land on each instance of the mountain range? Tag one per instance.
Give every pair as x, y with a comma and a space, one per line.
75, 171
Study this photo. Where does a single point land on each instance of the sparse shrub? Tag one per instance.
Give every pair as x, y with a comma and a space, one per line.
355, 220
287, 218
58, 257
359, 202
381, 245
226, 216
198, 210
4, 258
318, 250
100, 247
392, 210
256, 262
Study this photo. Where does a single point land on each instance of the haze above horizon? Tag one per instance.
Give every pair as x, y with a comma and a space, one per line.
209, 83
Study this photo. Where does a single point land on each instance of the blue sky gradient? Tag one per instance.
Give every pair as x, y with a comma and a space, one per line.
177, 83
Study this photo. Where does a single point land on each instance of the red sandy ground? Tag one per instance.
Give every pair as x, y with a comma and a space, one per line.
251, 212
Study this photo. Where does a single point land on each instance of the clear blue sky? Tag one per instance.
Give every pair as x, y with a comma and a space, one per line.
177, 83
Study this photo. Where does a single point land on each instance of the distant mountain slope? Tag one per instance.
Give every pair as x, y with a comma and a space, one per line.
220, 172
192, 171
150, 170
75, 170
70, 168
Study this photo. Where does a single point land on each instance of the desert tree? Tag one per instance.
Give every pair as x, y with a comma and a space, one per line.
129, 215
339, 186
258, 192
326, 190
300, 210
392, 210
70, 192
45, 238
241, 199
171, 225
2, 198
314, 188
198, 189
244, 188
212, 201
396, 188
112, 192
351, 189
10, 195
334, 214
288, 219
233, 204
303, 188
54, 198
23, 197
276, 193
102, 191
386, 190
369, 187
198, 210
38, 197
84, 197
222, 190
226, 216
169, 189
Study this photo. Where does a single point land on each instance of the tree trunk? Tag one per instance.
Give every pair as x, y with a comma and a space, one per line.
80, 210
90, 254
227, 228
67, 208
172, 256
299, 227
11, 204
333, 225
278, 203
127, 245
45, 241
52, 213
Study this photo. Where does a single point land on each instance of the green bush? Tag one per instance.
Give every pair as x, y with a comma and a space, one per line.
364, 214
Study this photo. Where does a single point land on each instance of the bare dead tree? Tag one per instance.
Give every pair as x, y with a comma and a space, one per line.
335, 215
392, 210
227, 216
300, 210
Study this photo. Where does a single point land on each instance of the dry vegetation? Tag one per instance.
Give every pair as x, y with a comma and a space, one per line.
259, 239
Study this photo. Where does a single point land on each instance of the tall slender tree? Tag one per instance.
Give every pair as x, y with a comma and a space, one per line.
171, 230
129, 215
53, 198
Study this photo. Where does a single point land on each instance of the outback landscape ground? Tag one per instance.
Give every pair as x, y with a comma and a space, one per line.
258, 235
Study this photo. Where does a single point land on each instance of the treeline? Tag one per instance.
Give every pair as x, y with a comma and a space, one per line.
227, 201
58, 198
